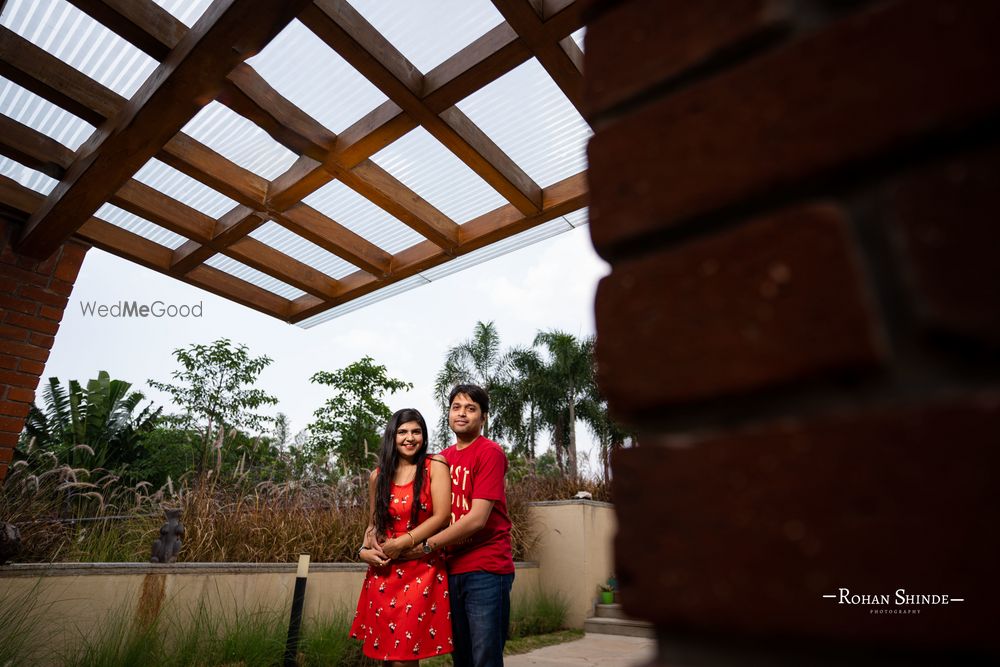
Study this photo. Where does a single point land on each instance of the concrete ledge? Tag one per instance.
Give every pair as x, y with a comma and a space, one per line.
572, 501
84, 569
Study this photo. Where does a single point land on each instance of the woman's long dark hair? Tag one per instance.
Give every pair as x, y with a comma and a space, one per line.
387, 461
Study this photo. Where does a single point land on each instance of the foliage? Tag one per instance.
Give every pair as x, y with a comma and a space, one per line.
539, 613
93, 426
350, 423
474, 361
215, 391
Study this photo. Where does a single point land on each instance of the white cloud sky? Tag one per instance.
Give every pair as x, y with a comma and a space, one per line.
549, 285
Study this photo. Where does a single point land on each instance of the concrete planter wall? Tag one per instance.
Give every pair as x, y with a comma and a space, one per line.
573, 557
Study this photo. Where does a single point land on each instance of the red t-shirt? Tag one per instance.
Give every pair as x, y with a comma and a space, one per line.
478, 472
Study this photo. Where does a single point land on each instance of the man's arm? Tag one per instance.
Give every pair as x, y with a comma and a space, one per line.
461, 530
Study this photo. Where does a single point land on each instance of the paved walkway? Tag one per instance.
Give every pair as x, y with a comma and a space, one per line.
594, 649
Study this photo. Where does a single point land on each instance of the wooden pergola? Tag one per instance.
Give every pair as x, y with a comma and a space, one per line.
207, 62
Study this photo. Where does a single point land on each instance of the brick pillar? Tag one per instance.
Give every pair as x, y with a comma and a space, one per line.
33, 296
799, 202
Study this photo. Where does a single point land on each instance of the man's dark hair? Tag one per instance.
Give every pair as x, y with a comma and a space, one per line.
473, 391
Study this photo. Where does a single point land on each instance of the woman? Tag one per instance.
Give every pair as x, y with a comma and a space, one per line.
403, 613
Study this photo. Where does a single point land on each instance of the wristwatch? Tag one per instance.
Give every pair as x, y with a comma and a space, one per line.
427, 547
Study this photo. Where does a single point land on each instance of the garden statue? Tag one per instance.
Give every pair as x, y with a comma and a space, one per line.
168, 545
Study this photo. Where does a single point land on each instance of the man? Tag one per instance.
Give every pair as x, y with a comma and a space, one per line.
480, 564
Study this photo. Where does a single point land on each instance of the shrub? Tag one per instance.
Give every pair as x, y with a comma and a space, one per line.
539, 613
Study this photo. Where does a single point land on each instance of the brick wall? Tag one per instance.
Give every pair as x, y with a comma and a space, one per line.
33, 296
799, 202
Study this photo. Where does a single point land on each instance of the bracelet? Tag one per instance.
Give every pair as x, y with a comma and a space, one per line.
363, 548
413, 542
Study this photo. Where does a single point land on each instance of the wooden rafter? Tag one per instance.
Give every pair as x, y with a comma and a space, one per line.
227, 34
559, 199
351, 36
558, 54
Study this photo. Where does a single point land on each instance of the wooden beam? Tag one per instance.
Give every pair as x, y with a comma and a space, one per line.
264, 258
240, 291
49, 77
564, 197
146, 202
222, 175
189, 255
312, 225
560, 57
33, 149
17, 197
347, 32
145, 24
124, 243
228, 33
381, 188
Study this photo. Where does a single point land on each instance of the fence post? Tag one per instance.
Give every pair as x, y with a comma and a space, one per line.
295, 621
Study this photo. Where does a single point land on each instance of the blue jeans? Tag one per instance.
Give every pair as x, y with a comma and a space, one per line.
480, 617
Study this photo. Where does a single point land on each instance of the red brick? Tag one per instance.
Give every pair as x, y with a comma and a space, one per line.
6, 454
8, 285
70, 262
16, 379
43, 296
867, 85
3, 471
21, 305
60, 287
743, 532
21, 395
8, 362
48, 265
945, 219
14, 409
13, 333
773, 301
27, 351
34, 323
660, 39
50, 313
11, 424
20, 275
41, 340
8, 440
26, 263
32, 367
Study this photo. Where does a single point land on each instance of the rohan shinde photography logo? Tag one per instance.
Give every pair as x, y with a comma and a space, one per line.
136, 309
898, 602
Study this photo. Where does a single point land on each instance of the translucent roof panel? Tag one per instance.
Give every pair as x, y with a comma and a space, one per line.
434, 173
345, 206
140, 226
305, 251
254, 277
578, 36
428, 32
186, 11
41, 115
183, 188
29, 178
530, 119
524, 239
80, 41
239, 140
356, 304
307, 72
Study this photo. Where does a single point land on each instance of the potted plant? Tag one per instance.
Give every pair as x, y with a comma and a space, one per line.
607, 594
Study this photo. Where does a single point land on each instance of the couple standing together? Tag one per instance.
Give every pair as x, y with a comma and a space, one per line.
438, 543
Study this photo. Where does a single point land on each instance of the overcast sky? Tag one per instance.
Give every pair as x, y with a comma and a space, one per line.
549, 285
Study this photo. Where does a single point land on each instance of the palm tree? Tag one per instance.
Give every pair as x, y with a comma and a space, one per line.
517, 399
99, 417
569, 380
475, 361
610, 435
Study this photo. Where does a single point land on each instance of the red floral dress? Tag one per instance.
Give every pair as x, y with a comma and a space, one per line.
403, 612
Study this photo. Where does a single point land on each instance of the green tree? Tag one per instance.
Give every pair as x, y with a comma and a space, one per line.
567, 381
517, 400
473, 361
215, 389
350, 423
99, 417
611, 436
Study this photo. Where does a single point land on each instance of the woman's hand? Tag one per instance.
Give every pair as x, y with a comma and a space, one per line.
374, 556
392, 548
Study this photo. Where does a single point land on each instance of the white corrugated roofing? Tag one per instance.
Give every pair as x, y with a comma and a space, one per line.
523, 112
